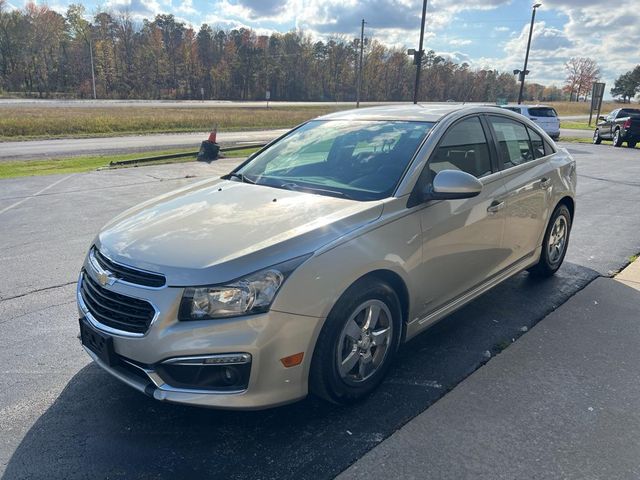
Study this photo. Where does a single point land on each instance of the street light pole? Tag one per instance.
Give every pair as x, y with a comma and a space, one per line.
420, 53
359, 85
93, 75
524, 71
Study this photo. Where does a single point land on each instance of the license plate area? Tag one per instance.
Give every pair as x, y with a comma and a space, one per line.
98, 342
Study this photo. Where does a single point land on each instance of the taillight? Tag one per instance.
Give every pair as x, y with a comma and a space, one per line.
627, 123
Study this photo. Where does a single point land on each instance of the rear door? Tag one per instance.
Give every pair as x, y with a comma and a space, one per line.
462, 239
525, 170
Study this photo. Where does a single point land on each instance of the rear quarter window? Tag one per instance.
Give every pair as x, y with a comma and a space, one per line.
546, 112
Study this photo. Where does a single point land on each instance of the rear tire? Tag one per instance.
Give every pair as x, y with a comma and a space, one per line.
357, 343
631, 144
617, 138
555, 243
597, 139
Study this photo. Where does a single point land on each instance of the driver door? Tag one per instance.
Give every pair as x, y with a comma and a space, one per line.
462, 239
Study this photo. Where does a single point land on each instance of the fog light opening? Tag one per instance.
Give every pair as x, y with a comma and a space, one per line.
230, 375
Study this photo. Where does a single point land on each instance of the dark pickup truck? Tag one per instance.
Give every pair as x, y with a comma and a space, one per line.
621, 125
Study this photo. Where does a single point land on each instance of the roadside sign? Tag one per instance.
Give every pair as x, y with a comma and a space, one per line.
268, 95
597, 92
501, 101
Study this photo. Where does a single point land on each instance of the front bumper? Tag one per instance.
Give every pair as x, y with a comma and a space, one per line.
266, 337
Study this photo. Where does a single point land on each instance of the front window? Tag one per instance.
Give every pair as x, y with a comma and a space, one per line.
464, 147
360, 160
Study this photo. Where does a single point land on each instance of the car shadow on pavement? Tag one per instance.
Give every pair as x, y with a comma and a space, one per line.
100, 428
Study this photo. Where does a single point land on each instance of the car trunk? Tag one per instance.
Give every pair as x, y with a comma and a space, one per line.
545, 117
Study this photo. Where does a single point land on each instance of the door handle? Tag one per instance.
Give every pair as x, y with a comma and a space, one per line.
495, 207
545, 182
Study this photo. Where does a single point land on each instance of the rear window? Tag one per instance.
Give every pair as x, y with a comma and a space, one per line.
542, 112
629, 112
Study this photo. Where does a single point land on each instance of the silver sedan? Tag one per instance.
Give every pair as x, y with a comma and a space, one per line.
305, 268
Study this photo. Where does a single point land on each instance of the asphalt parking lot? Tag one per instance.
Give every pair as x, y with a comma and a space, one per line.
62, 416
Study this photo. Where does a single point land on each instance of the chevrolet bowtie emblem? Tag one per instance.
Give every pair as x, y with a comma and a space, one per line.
105, 278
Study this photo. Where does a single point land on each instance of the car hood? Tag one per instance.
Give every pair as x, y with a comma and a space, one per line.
218, 230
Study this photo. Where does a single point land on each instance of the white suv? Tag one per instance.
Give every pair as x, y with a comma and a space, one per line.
543, 115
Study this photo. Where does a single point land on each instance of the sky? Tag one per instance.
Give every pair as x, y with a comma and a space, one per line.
484, 33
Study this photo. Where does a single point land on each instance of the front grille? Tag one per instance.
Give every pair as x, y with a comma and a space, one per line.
115, 310
131, 275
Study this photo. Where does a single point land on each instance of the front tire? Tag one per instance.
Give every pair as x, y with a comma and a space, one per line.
631, 144
617, 138
597, 139
555, 243
357, 343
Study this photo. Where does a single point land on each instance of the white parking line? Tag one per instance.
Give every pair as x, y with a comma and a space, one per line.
35, 194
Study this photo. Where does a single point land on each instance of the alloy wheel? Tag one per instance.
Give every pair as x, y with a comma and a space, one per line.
557, 240
364, 342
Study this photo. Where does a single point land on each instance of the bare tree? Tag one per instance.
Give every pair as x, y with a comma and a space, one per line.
582, 72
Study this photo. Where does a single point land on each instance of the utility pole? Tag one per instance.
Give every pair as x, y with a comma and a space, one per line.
93, 75
359, 79
524, 71
420, 53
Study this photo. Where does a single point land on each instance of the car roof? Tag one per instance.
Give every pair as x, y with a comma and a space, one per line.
538, 105
432, 112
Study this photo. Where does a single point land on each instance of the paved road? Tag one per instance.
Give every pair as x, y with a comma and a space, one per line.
59, 413
60, 148
562, 403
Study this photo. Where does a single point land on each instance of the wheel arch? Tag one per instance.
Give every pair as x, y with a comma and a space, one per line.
398, 284
570, 203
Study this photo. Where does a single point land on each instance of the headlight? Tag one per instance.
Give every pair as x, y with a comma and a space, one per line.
243, 296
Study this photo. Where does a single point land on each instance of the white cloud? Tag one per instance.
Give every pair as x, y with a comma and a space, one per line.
457, 57
186, 7
610, 39
458, 42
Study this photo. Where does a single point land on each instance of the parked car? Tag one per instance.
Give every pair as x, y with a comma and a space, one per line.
545, 116
621, 125
308, 265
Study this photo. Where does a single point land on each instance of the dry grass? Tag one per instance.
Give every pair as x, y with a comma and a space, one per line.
30, 122
24, 123
579, 108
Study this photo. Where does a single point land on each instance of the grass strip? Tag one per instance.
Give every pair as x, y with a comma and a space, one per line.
575, 125
26, 168
24, 123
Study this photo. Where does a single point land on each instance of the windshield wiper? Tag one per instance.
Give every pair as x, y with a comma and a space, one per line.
241, 177
299, 188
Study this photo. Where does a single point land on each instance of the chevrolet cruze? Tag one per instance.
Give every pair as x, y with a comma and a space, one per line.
306, 267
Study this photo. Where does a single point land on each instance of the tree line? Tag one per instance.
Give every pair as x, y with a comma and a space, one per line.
46, 54
627, 85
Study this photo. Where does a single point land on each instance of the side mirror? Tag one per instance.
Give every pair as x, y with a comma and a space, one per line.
452, 185
601, 118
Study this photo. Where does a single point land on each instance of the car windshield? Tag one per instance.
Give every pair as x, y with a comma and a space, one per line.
359, 160
542, 112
